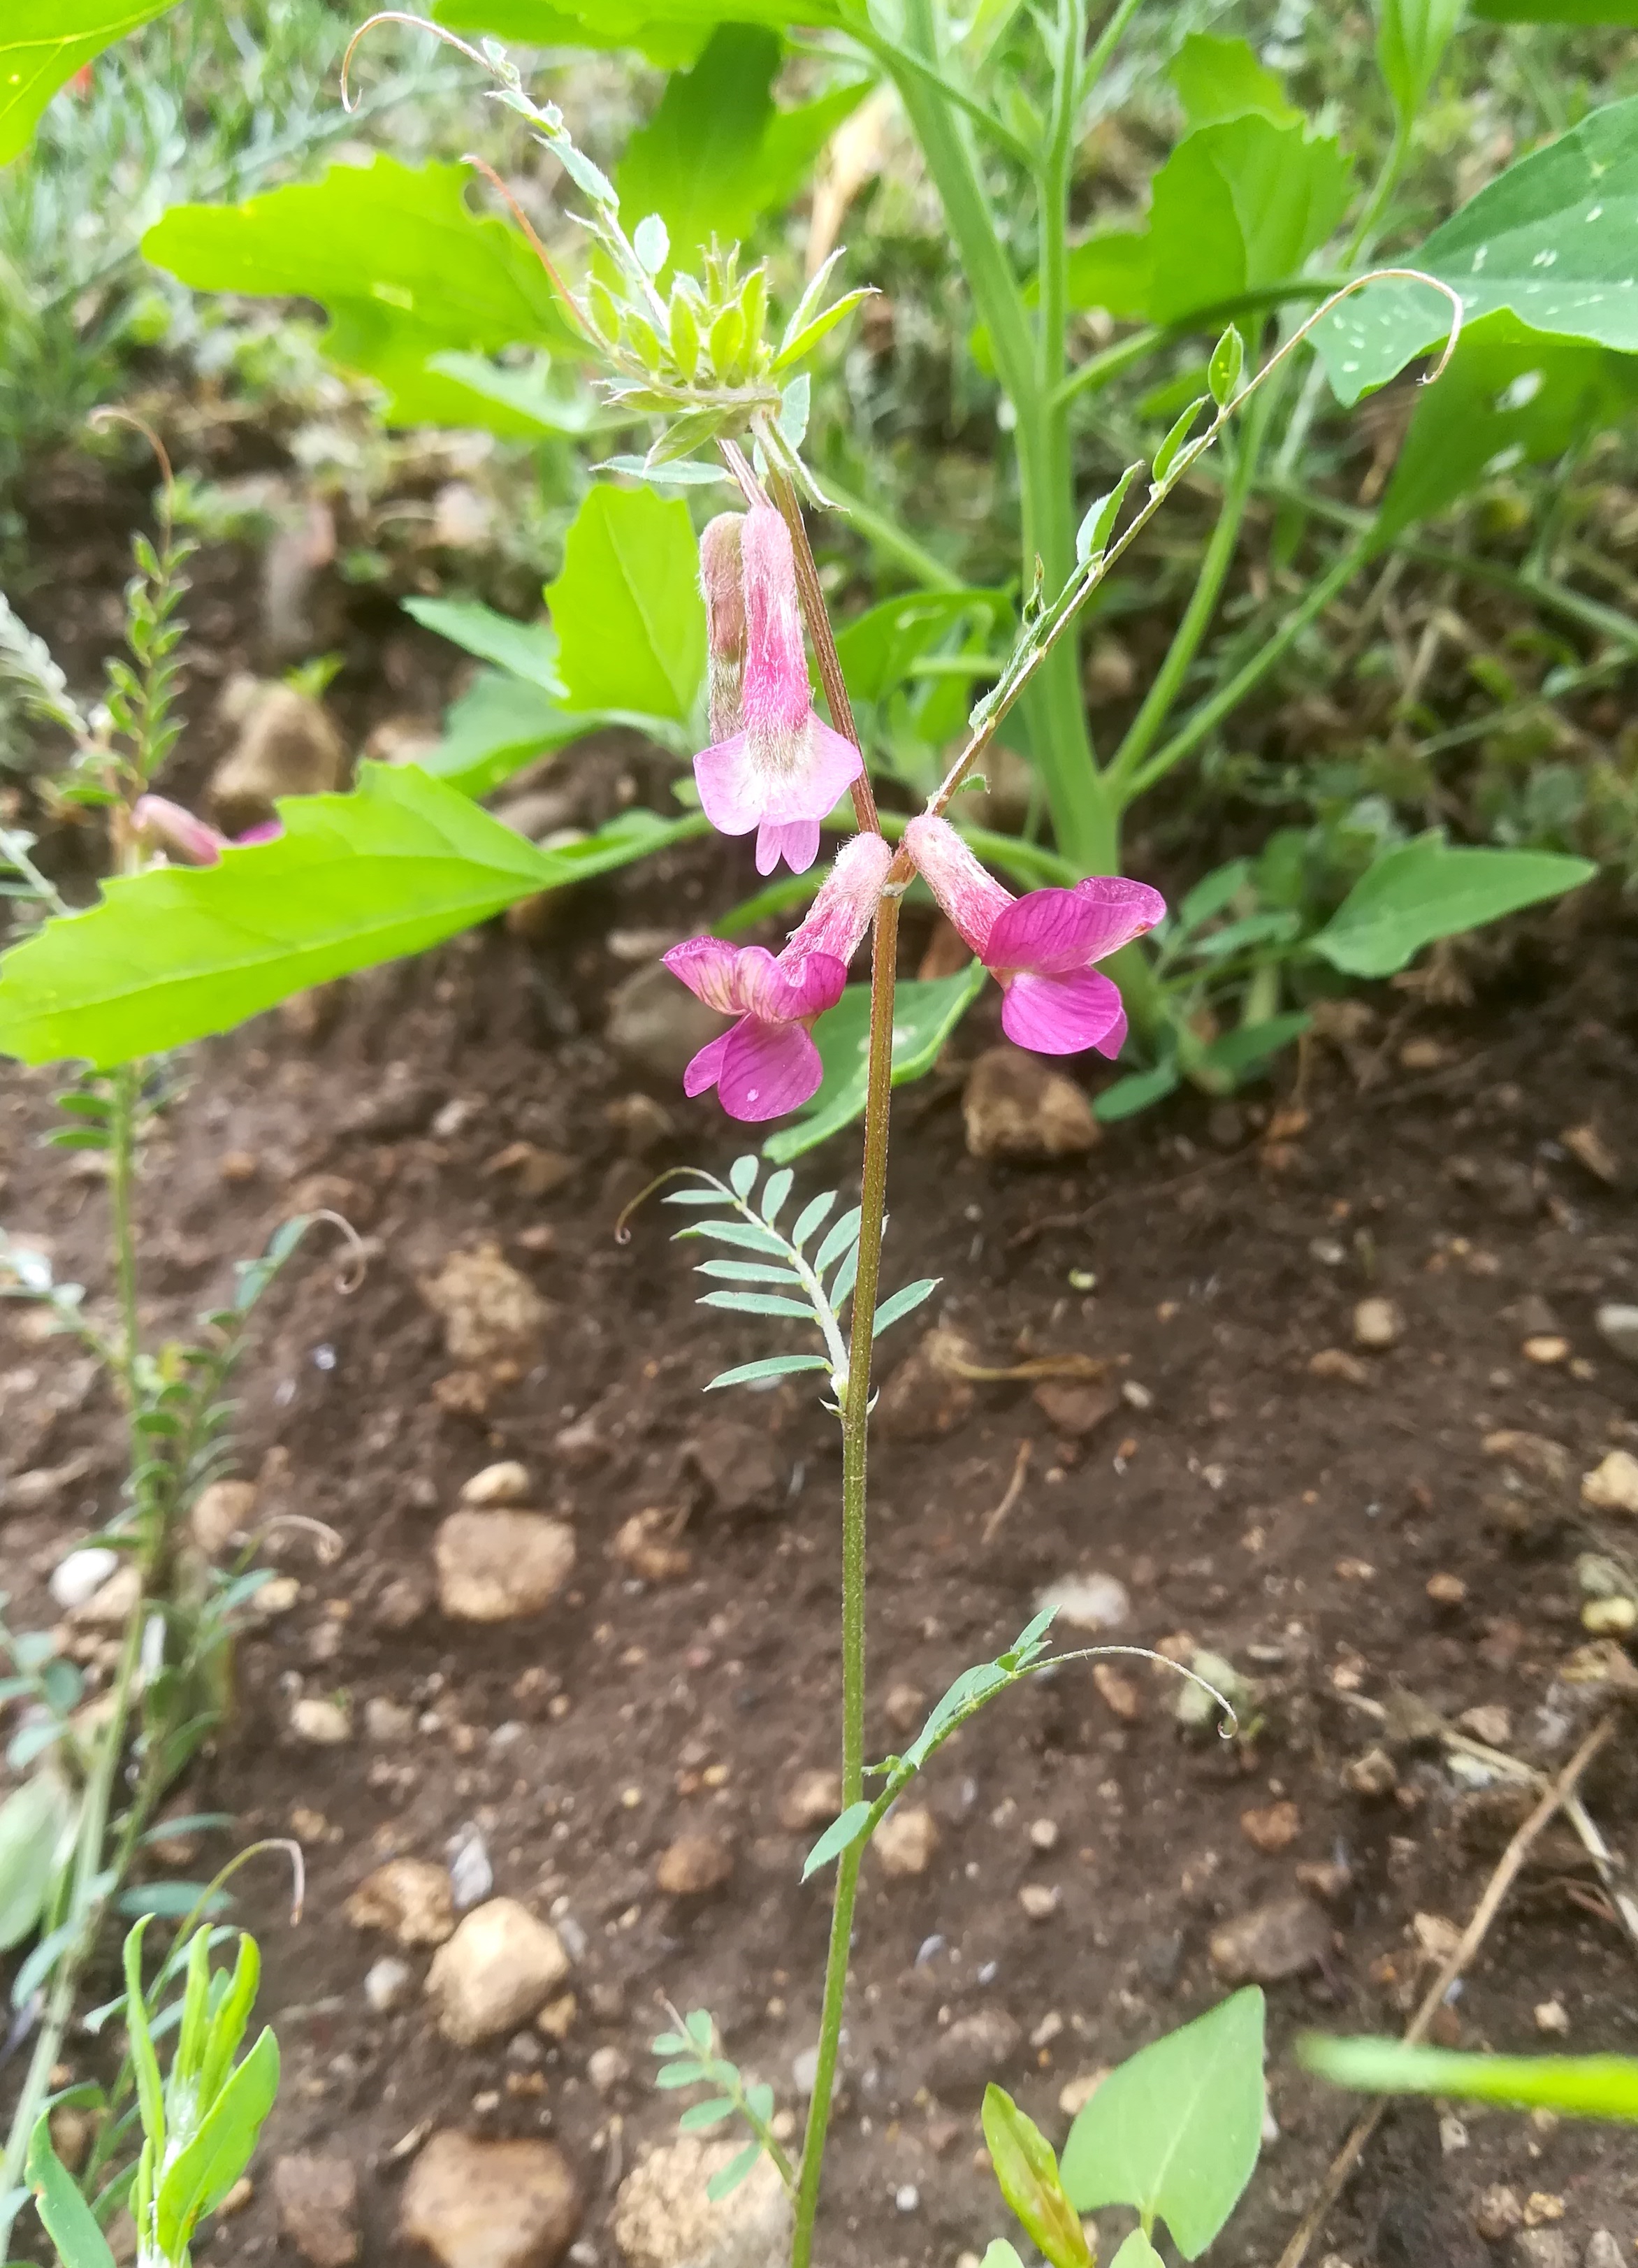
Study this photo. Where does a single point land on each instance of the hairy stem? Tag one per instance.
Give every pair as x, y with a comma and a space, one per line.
817, 616
855, 1427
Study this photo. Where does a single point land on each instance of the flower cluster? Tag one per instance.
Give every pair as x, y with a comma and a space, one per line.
774, 767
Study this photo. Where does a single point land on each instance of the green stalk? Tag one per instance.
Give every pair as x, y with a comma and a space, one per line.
1204, 720
855, 1431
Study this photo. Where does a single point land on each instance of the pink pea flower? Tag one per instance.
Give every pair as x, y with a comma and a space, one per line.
781, 772
170, 827
722, 582
1041, 947
767, 1063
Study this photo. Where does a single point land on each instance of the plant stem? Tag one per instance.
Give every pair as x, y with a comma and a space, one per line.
817, 616
854, 1430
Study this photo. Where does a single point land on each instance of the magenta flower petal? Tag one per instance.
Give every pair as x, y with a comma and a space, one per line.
710, 969
265, 830
790, 991
1061, 1015
706, 1068
767, 1069
807, 781
1053, 931
796, 841
730, 790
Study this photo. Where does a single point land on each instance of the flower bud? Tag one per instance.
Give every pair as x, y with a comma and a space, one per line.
162, 825
724, 621
778, 698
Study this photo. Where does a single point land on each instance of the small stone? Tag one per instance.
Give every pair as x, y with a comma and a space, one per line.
500, 1566
1436, 1936
1273, 1828
906, 1841
905, 1708
1610, 1617
317, 2197
1612, 1486
388, 1984
1373, 1774
695, 1865
238, 1167
921, 1400
1543, 2248
1490, 1723
76, 1581
1016, 1106
970, 2052
1378, 1323
1040, 1901
1073, 1409
1285, 1938
1618, 1328
1545, 1348
813, 1799
1602, 2250
494, 1973
323, 1723
1118, 1691
1092, 1602
1336, 1363
1044, 1835
1533, 1454
1498, 2214
490, 1311
646, 1545
110, 1606
1444, 1590
556, 2020
223, 1516
503, 1484
663, 2218
1590, 1149
659, 1025
1542, 2206
1076, 2093
607, 2069
286, 746
1552, 2016
409, 1898
490, 2204
1329, 1880
387, 1721
1453, 2136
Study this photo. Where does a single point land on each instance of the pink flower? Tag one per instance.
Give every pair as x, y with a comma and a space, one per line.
721, 579
165, 826
1041, 947
767, 1063
782, 771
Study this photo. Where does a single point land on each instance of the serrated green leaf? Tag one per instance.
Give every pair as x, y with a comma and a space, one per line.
44, 42
1429, 888
68, 2220
925, 1013
1176, 2130
903, 1303
1026, 2172
627, 608
405, 268
525, 649
173, 954
839, 1836
1578, 2086
774, 1365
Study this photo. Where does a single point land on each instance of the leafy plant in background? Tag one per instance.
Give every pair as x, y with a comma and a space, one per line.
1576, 2086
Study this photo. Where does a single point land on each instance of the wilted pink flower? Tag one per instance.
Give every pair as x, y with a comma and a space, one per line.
768, 1064
721, 579
171, 828
782, 771
1041, 947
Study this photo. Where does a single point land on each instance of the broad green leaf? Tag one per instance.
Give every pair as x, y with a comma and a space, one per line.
1552, 239
32, 1820
528, 404
1115, 270
499, 723
839, 1836
1239, 206
1580, 2086
203, 2174
1218, 78
1175, 2131
1140, 1090
717, 153
1239, 1053
1429, 890
1510, 396
1027, 2171
405, 268
626, 608
1624, 12
69, 2220
1412, 36
925, 1013
1137, 2252
527, 650
43, 43
877, 649
671, 33
1000, 2255
171, 954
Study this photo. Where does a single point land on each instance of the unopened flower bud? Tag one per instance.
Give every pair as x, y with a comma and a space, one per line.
725, 620
162, 825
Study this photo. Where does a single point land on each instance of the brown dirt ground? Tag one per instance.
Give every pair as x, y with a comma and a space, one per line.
1287, 1521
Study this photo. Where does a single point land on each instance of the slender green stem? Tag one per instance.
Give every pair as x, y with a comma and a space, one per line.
1204, 720
854, 1430
1101, 369
889, 52
122, 1191
1105, 44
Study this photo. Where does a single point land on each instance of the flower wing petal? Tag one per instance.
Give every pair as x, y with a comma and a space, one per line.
788, 991
796, 841
1053, 931
707, 1067
1061, 1015
767, 1069
710, 969
731, 786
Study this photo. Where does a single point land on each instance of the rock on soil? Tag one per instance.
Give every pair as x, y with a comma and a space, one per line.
1016, 1106
813, 1799
496, 1972
506, 1483
1282, 1938
223, 1513
1272, 1828
490, 1311
646, 1545
1612, 1486
973, 2050
1092, 1602
906, 1841
491, 2204
921, 1401
694, 1865
1378, 1323
658, 1025
498, 1566
287, 745
1618, 1328
1075, 1408
317, 2197
1543, 2248
663, 2218
409, 1898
